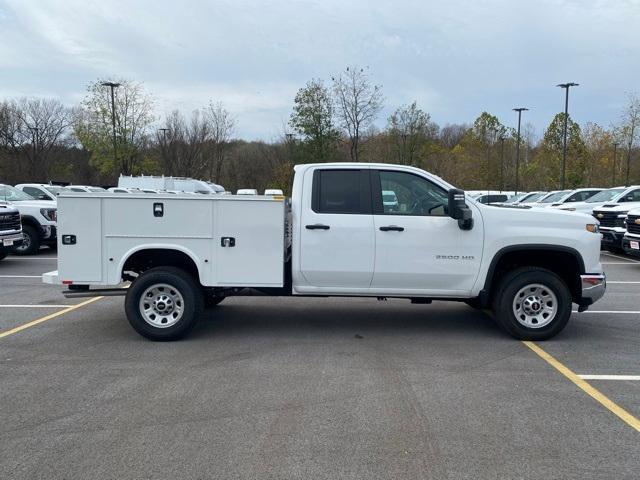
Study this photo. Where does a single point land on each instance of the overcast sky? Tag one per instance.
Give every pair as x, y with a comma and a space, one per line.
456, 58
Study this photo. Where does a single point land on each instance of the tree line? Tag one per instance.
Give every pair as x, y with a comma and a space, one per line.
43, 140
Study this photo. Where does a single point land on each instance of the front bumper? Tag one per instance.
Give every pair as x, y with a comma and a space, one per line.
626, 245
593, 288
14, 239
611, 238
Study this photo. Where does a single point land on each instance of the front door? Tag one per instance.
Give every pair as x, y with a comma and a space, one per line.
336, 230
419, 248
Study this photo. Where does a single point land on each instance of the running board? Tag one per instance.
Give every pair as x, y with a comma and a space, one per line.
96, 292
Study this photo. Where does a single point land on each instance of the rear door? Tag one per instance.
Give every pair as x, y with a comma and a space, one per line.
419, 248
337, 240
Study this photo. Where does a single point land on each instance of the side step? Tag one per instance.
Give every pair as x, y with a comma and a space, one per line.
95, 292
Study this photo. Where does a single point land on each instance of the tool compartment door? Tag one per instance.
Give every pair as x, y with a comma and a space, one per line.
249, 242
81, 260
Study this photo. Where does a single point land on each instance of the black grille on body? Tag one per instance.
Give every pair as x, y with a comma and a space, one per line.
607, 219
9, 221
632, 226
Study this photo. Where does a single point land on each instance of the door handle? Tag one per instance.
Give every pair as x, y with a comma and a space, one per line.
317, 226
392, 228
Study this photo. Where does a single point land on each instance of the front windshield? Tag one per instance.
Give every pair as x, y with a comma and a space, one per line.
517, 198
11, 194
605, 195
535, 197
554, 197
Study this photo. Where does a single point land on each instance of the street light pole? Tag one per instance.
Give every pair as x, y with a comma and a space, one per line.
34, 142
501, 163
615, 151
519, 110
112, 86
566, 86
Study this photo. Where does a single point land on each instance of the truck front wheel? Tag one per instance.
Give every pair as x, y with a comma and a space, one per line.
532, 303
164, 303
30, 241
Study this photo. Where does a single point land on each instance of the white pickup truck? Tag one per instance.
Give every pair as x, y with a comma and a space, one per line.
335, 237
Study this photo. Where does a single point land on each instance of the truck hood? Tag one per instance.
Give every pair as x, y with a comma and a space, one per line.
617, 207
545, 217
35, 204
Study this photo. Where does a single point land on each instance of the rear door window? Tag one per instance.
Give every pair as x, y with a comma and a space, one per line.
341, 192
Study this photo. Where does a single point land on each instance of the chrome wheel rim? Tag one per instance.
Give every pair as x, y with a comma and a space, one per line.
26, 243
161, 305
535, 306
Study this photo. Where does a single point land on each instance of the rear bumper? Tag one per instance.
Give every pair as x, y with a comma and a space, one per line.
626, 245
593, 288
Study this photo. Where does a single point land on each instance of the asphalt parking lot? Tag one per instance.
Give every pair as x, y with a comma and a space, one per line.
314, 388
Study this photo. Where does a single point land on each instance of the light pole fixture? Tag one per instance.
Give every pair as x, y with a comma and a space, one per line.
501, 163
519, 110
615, 151
112, 86
566, 87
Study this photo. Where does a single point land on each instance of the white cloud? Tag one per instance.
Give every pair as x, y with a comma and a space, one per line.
455, 58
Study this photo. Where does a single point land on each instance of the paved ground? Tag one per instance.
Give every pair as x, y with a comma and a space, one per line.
311, 389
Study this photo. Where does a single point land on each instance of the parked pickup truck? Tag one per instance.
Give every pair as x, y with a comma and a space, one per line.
335, 237
631, 239
10, 229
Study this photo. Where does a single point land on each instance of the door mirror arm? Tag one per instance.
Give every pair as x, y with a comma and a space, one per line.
458, 209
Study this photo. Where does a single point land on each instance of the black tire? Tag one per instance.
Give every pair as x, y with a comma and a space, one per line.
3, 253
179, 281
30, 241
512, 283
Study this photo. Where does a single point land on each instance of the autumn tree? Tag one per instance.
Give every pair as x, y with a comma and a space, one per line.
222, 124
312, 119
358, 104
133, 117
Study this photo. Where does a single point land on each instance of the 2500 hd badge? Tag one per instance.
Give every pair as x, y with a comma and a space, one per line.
454, 257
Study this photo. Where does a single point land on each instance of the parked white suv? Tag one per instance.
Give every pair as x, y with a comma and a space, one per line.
573, 196
42, 191
39, 219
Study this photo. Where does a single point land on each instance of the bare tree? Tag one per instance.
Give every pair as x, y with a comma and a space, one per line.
183, 146
222, 126
630, 127
31, 129
358, 104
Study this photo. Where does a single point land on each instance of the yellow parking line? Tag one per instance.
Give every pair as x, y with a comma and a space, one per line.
594, 393
17, 329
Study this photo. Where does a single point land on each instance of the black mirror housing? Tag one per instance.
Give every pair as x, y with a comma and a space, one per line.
458, 209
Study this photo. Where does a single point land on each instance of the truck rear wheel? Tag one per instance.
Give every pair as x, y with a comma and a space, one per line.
30, 241
164, 303
532, 304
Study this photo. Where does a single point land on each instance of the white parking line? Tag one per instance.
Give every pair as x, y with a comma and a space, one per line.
39, 276
36, 306
627, 312
619, 282
610, 377
621, 258
30, 258
619, 263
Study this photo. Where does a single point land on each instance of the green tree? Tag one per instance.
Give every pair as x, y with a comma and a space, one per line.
312, 119
133, 116
410, 128
547, 162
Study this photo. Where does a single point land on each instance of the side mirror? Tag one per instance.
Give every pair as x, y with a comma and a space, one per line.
458, 209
